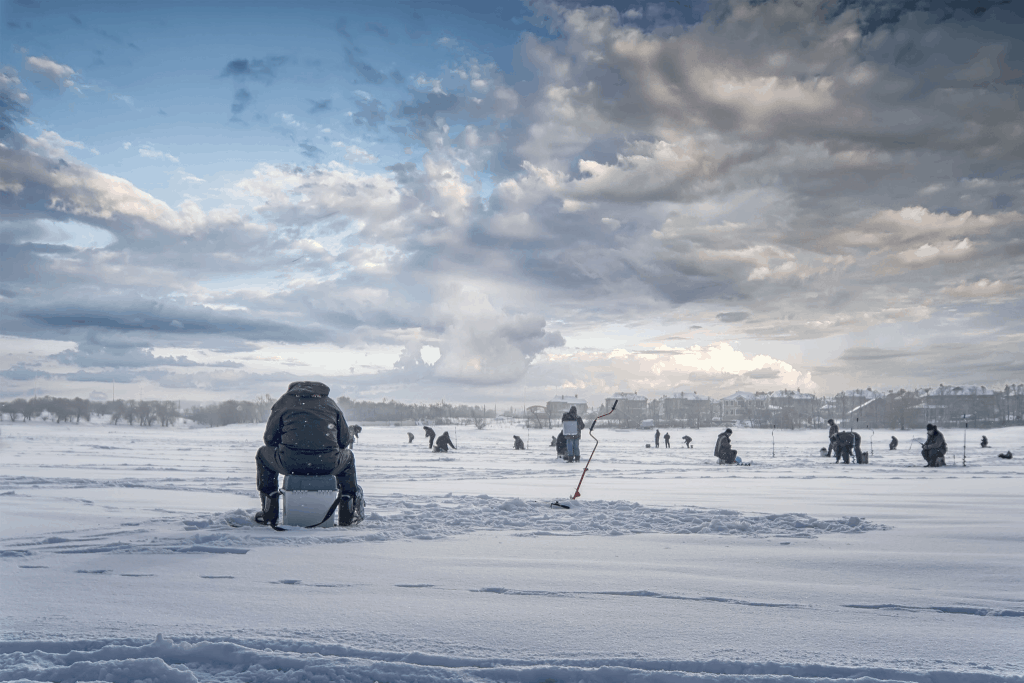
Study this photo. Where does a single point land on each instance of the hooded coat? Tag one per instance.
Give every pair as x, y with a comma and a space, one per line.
308, 427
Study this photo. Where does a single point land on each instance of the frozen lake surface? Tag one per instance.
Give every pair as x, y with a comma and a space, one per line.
129, 554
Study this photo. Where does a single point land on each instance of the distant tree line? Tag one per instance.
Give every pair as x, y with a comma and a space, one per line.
166, 413
902, 409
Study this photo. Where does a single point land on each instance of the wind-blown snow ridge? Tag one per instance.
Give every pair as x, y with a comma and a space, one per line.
430, 518
259, 661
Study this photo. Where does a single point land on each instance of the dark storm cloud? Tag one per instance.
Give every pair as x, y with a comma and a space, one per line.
317, 106
379, 29
22, 373
369, 112
91, 356
173, 323
311, 151
242, 99
366, 71
262, 70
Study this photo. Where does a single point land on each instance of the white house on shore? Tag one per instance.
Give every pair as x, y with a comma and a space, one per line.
561, 404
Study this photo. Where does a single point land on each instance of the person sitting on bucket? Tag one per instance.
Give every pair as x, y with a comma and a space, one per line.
572, 427
723, 449
443, 443
307, 435
518, 444
894, 443
847, 444
934, 449
561, 450
984, 441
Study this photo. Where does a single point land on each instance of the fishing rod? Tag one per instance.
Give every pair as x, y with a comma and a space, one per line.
964, 461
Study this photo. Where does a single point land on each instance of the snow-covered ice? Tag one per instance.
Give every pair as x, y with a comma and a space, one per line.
129, 554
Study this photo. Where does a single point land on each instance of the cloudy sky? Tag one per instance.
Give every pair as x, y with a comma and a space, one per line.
499, 201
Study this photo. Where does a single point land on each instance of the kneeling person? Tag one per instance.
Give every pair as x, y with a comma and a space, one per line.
934, 449
443, 444
724, 450
307, 435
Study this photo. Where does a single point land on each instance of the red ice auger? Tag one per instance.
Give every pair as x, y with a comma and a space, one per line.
585, 467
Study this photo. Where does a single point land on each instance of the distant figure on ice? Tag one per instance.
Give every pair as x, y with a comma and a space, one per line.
554, 441
1008, 455
443, 443
666, 440
657, 438
518, 444
894, 443
847, 444
832, 431
934, 449
984, 441
356, 430
561, 449
411, 437
429, 434
307, 435
687, 441
572, 427
723, 449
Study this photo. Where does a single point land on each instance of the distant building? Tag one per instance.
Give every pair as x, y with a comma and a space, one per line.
561, 404
632, 408
682, 408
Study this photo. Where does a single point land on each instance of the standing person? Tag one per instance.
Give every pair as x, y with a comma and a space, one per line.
723, 448
687, 441
847, 444
411, 437
572, 428
518, 444
657, 438
894, 443
307, 435
430, 434
934, 449
666, 440
833, 429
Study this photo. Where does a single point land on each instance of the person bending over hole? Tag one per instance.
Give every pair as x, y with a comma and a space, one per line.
429, 434
894, 443
847, 444
443, 443
518, 444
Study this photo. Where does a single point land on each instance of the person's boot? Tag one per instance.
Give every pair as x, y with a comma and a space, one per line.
268, 515
350, 509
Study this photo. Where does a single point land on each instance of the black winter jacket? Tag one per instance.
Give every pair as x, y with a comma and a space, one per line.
306, 420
